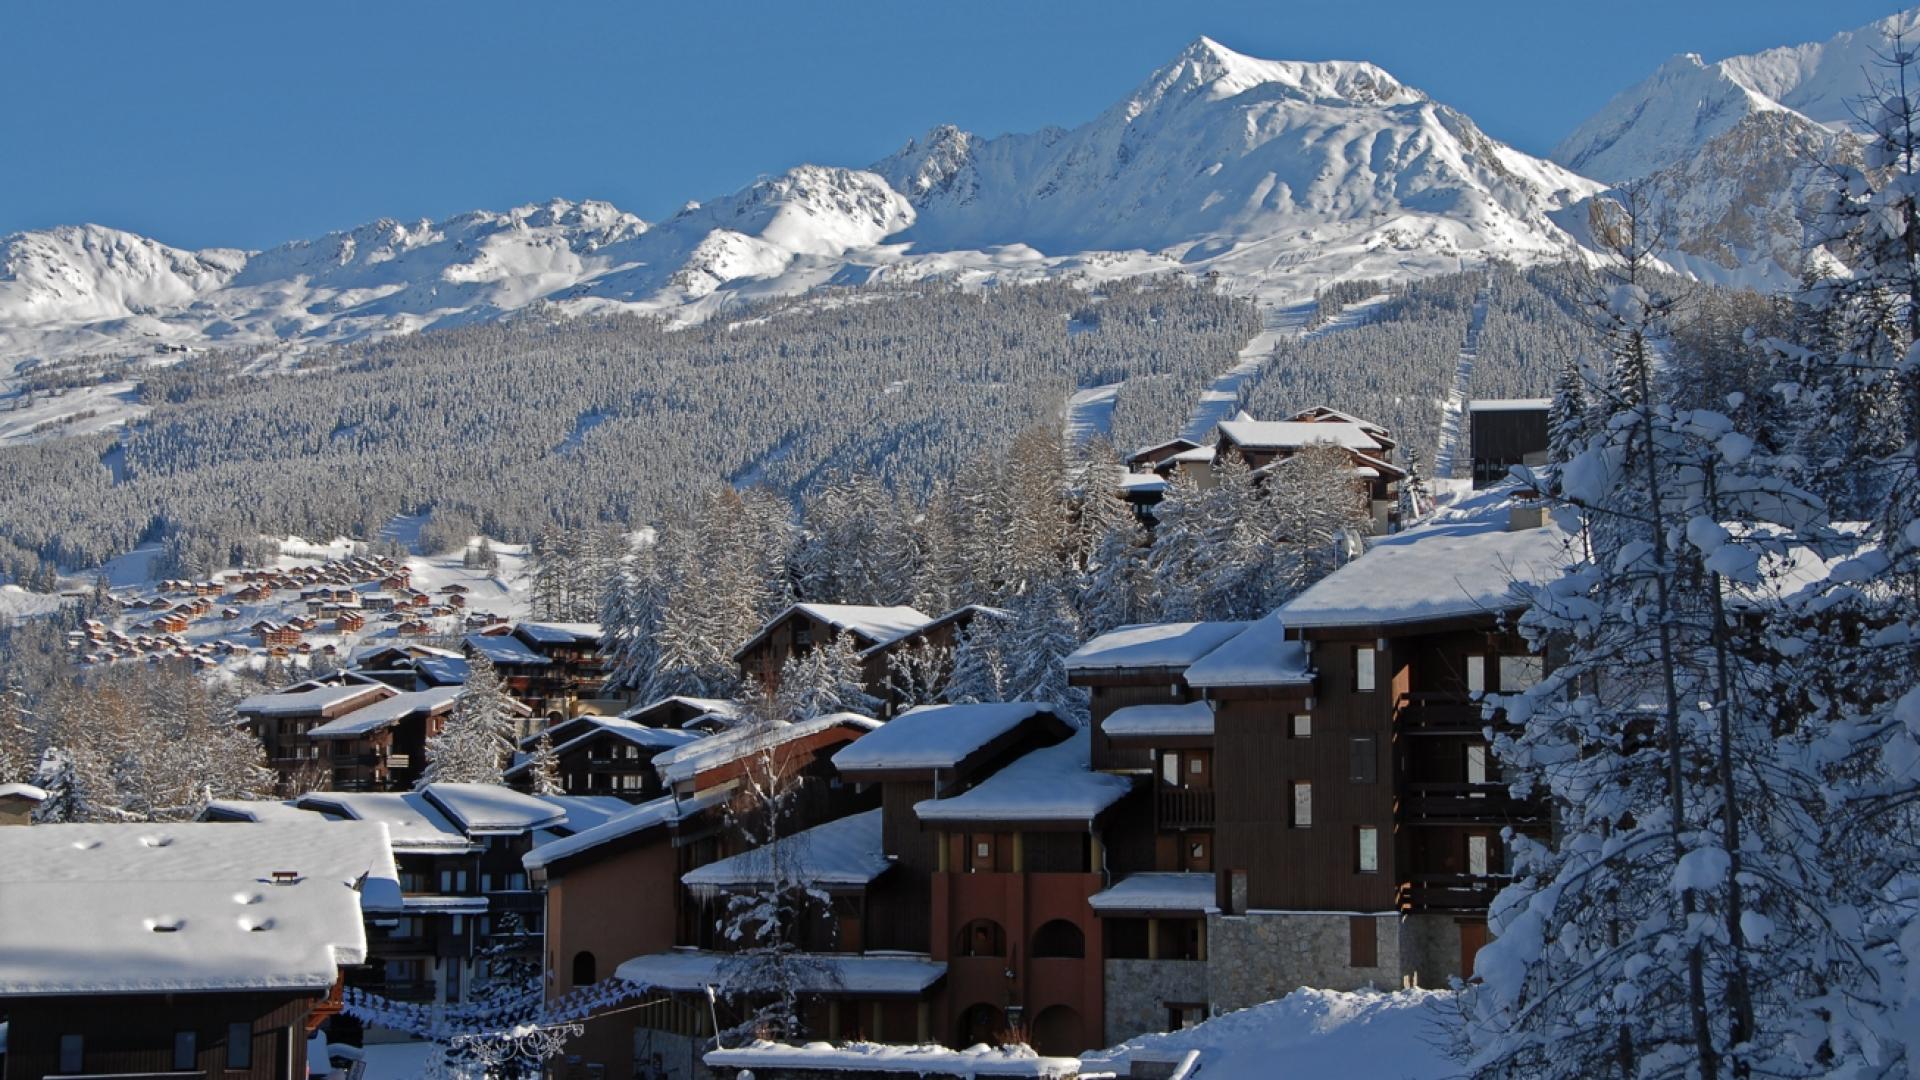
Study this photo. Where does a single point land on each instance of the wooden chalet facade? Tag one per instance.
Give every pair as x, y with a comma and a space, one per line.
1504, 432
283, 719
602, 755
802, 627
553, 669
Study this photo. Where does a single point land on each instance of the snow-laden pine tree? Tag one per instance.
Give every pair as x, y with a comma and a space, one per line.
980, 663
630, 611
918, 673
477, 741
768, 970
823, 680
1672, 927
1034, 645
543, 769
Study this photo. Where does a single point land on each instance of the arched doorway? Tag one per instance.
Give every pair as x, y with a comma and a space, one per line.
981, 1023
1057, 1032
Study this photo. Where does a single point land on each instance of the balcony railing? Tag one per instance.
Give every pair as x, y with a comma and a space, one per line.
1450, 892
1444, 713
1184, 808
1446, 803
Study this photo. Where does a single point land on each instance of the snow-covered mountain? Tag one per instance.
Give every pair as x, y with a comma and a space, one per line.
1279, 175
1719, 145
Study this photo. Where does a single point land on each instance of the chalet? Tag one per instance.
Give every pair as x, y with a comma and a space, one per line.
1264, 444
1321, 776
683, 712
1504, 432
1149, 458
377, 602
172, 623
274, 635
230, 613
414, 628
939, 635
283, 719
303, 623
552, 668
799, 628
124, 952
382, 745
602, 755
419, 600
593, 928
253, 594
346, 622
455, 589
18, 802
398, 581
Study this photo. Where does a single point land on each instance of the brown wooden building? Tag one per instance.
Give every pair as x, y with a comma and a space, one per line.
800, 628
1504, 432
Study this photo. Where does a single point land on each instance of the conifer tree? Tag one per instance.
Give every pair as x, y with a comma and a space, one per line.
477, 742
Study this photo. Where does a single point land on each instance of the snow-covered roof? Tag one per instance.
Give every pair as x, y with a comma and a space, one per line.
443, 669
822, 973
843, 853
1191, 718
151, 908
505, 649
560, 633
1054, 785
1536, 404
873, 623
641, 735
446, 905
964, 611
1260, 655
1462, 562
257, 810
416, 825
936, 736
582, 812
491, 808
314, 700
1336, 414
1152, 892
703, 706
1152, 645
1294, 434
895, 1060
386, 712
1142, 483
647, 815
727, 746
22, 791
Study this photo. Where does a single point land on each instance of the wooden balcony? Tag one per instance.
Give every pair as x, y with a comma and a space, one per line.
1443, 893
1464, 804
1443, 714
1183, 808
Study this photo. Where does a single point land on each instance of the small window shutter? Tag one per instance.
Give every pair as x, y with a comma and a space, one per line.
1363, 944
1362, 766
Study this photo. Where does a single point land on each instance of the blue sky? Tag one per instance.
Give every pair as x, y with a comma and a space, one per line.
247, 124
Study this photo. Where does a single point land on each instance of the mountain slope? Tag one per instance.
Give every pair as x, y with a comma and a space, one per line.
1279, 175
1719, 146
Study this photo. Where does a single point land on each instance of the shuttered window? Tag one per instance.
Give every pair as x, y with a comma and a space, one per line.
1302, 804
1362, 760
1363, 947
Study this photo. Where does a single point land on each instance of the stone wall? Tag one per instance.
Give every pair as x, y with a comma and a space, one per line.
1264, 955
1430, 950
1139, 991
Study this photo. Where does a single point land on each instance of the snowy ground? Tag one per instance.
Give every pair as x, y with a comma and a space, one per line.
1453, 412
82, 410
1310, 1035
1090, 412
1220, 400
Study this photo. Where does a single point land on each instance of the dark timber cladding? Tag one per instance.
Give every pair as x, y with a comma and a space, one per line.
138, 1036
1259, 759
1506, 433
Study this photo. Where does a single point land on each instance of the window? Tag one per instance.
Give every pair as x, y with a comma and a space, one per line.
1302, 804
1477, 766
1477, 862
240, 1046
1362, 760
1170, 769
73, 1053
1363, 660
1519, 673
1059, 938
1362, 941
1196, 766
1302, 725
186, 1050
583, 969
1368, 856
983, 850
1476, 675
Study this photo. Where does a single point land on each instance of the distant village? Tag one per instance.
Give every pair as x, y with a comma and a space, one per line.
1304, 799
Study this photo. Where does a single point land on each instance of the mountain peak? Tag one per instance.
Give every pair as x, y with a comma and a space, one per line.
1212, 71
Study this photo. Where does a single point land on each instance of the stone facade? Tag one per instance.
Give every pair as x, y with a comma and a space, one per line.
1265, 955
1429, 950
1139, 991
